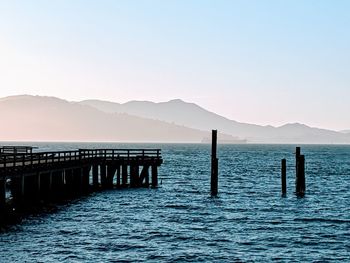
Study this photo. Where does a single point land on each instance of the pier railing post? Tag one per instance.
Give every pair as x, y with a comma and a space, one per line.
214, 165
283, 176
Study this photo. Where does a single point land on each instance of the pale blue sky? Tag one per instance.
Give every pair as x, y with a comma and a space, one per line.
264, 62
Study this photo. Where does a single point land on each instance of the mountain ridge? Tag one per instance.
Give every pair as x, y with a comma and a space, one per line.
192, 115
37, 118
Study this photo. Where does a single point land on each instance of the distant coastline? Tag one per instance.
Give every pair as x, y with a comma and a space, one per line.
234, 141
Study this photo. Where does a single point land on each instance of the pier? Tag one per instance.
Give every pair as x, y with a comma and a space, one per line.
37, 177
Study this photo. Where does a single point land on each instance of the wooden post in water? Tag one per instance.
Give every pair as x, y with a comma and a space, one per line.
284, 176
214, 165
103, 175
297, 154
154, 175
118, 175
300, 180
124, 175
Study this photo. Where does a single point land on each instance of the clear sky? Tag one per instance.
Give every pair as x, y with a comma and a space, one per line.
263, 62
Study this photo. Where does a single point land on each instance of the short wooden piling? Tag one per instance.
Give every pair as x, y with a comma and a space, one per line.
214, 165
283, 176
300, 179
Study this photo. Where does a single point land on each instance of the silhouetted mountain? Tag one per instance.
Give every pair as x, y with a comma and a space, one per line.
33, 118
193, 116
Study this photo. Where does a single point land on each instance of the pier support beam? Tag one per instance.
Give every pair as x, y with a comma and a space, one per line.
77, 181
2, 195
57, 181
103, 175
118, 175
124, 175
69, 182
45, 186
154, 175
95, 176
134, 175
17, 189
110, 175
144, 176
31, 188
86, 179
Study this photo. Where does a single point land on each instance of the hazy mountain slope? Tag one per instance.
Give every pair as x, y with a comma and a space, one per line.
31, 118
191, 115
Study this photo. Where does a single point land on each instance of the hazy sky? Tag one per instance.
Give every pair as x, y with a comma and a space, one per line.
264, 62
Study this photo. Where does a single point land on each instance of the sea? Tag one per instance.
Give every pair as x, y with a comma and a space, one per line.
249, 220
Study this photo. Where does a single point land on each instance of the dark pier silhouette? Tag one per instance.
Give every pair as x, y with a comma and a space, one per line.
49, 177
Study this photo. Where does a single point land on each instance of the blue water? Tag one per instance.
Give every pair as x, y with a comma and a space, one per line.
179, 222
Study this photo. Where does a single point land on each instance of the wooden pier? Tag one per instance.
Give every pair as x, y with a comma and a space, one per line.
33, 177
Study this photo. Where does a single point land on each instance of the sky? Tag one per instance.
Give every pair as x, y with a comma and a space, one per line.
263, 62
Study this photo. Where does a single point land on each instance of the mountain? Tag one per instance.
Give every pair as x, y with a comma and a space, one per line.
345, 131
35, 118
193, 116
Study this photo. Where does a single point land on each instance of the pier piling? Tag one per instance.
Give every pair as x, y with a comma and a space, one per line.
214, 165
283, 176
2, 194
154, 176
300, 178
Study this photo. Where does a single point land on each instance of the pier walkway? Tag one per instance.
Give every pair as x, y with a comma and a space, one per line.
48, 176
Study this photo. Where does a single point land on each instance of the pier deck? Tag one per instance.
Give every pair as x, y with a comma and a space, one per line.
40, 176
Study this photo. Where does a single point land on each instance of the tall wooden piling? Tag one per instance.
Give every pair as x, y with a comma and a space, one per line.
214, 165
297, 155
300, 179
284, 176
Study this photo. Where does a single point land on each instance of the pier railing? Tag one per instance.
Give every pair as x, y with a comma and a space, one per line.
24, 160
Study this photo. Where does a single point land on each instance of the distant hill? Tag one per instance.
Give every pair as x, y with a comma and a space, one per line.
34, 118
196, 117
345, 131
